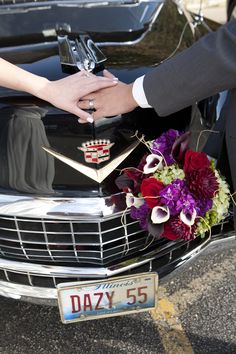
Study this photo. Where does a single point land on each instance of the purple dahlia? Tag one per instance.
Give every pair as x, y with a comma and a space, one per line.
202, 183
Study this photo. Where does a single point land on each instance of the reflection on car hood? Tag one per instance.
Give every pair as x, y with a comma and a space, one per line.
26, 20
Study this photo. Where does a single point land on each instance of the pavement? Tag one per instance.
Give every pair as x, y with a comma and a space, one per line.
196, 315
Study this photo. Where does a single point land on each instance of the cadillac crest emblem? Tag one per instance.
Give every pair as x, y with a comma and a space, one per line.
96, 151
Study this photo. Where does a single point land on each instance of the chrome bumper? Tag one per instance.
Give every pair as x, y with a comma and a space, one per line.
153, 261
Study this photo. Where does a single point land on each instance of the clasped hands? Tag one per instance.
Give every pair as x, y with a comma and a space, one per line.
75, 93
107, 101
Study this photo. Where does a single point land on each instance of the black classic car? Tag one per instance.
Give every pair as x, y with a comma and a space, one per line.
63, 220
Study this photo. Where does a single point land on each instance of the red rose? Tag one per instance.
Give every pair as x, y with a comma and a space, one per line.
151, 187
169, 233
195, 161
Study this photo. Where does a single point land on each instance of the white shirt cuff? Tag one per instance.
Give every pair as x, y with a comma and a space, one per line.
139, 94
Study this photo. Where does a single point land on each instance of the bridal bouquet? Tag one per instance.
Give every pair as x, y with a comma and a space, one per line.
175, 192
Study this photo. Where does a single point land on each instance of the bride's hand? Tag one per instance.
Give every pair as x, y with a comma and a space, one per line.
66, 93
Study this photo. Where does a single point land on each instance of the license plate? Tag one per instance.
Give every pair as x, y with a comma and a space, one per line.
80, 301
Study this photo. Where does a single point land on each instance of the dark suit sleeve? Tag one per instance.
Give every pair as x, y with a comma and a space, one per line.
207, 67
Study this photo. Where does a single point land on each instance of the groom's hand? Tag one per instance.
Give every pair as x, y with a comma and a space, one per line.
109, 101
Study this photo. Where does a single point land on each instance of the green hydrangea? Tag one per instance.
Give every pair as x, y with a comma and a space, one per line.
222, 198
205, 224
219, 208
169, 174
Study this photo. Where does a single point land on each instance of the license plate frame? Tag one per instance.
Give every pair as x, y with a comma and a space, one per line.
137, 293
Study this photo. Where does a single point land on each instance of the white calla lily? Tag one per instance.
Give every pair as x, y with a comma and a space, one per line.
160, 214
131, 200
188, 218
153, 162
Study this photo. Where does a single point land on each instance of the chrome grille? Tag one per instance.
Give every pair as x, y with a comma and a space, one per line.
167, 254
98, 242
163, 260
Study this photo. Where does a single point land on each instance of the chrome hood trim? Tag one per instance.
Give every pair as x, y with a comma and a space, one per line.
62, 208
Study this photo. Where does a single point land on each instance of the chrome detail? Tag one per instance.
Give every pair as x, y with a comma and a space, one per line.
93, 173
150, 266
100, 239
198, 19
19, 237
18, 291
73, 241
20, 8
54, 281
89, 272
75, 3
99, 242
136, 41
40, 270
30, 5
6, 275
30, 279
46, 240
126, 245
81, 209
81, 53
46, 295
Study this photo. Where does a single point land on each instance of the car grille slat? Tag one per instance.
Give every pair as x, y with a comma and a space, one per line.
167, 253
46, 240
99, 241
73, 241
19, 236
4, 240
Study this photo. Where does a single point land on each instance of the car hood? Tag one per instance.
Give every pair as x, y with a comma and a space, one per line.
44, 150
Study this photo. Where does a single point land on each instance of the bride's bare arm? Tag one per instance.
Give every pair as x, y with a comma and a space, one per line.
64, 93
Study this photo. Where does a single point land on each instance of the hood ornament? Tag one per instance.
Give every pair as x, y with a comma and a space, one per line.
96, 151
80, 53
97, 175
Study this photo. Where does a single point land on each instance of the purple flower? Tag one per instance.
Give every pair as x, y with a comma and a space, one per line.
186, 202
178, 198
164, 145
171, 194
140, 214
202, 206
